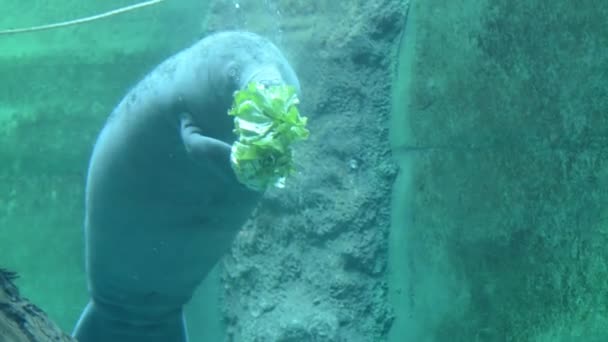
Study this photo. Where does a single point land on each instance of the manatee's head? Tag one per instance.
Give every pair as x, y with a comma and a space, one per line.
237, 58
244, 57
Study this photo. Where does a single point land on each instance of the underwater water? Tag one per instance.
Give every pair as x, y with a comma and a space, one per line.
452, 187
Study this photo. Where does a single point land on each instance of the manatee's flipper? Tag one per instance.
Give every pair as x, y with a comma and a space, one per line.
97, 325
203, 150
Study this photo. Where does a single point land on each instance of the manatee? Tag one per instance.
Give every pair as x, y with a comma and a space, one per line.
162, 201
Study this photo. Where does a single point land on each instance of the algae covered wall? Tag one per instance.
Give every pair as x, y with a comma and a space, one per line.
506, 110
311, 264
57, 89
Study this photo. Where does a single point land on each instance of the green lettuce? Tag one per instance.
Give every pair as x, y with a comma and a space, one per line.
267, 122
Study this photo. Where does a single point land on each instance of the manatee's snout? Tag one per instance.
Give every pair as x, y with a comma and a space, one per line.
267, 75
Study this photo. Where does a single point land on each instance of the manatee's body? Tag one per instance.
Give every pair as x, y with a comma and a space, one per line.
162, 202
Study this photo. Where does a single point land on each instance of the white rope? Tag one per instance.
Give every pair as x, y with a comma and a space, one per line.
81, 20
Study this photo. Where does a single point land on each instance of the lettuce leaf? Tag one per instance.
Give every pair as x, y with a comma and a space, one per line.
267, 122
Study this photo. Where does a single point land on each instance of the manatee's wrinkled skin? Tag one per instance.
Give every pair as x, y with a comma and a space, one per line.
162, 202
